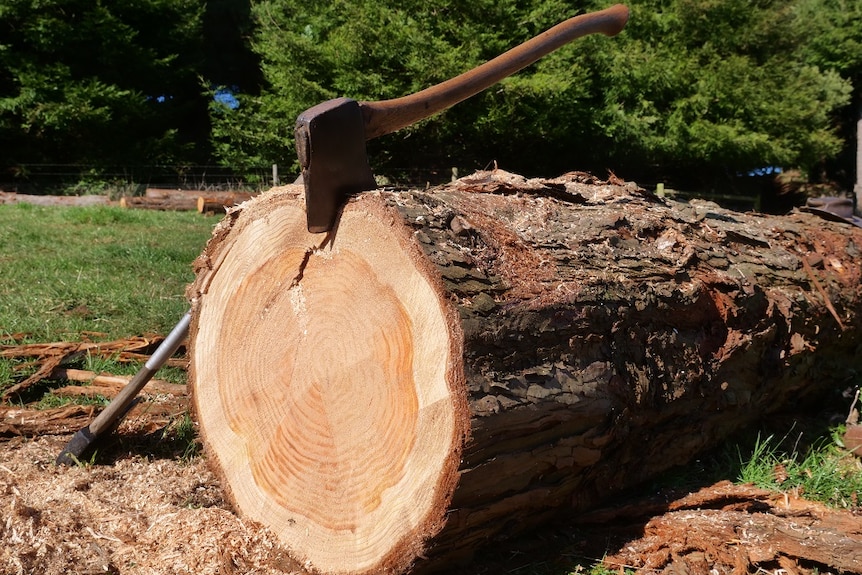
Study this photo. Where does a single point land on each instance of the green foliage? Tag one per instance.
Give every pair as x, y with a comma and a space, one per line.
708, 87
697, 87
101, 84
835, 37
720, 86
7, 373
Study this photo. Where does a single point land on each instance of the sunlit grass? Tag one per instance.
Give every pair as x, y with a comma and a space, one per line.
100, 272
67, 271
824, 472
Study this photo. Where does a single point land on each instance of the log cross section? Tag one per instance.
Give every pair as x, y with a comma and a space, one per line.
328, 386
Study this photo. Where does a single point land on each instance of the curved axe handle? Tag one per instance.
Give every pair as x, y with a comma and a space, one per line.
387, 116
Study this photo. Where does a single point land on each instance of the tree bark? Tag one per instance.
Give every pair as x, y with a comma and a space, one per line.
457, 365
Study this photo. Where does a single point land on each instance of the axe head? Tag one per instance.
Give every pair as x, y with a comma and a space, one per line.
330, 143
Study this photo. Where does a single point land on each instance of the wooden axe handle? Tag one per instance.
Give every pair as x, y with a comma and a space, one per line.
387, 116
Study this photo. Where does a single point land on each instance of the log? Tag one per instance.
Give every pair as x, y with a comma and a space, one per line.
454, 366
108, 385
181, 203
43, 200
164, 193
185, 200
217, 195
216, 204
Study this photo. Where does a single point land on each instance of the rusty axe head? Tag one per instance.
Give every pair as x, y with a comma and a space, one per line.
330, 137
330, 143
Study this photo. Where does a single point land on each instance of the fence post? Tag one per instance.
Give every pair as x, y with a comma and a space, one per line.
275, 174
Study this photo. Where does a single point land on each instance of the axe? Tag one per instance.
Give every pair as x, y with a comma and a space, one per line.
330, 137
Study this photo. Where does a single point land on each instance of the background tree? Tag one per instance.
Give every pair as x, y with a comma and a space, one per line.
693, 92
709, 89
697, 89
101, 83
835, 43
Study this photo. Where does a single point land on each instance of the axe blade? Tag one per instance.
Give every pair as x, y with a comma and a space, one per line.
330, 144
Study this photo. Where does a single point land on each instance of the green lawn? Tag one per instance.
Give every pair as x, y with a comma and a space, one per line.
65, 271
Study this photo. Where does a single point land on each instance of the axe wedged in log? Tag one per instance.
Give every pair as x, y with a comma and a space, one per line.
330, 137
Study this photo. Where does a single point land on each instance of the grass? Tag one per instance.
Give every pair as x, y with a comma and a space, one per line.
71, 270
51, 401
183, 432
101, 272
823, 472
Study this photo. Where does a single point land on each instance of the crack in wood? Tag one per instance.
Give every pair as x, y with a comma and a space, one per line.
302, 265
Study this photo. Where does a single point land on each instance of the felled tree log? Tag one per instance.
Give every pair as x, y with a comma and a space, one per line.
181, 203
456, 365
216, 204
216, 195
185, 200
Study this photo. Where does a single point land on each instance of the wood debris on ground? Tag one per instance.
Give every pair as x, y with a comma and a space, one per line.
47, 363
48, 357
727, 528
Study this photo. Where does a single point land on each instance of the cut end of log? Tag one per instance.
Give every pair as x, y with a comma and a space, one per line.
327, 384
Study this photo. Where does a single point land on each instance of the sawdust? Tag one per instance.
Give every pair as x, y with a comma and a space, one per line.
139, 513
136, 515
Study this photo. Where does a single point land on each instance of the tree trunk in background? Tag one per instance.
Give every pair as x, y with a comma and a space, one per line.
583, 336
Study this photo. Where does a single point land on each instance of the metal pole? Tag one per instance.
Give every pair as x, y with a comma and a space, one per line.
122, 403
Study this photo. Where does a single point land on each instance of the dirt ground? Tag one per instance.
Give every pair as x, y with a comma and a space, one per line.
144, 509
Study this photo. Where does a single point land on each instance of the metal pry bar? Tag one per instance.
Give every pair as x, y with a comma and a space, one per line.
123, 402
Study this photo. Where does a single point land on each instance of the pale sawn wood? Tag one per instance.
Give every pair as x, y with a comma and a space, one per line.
326, 382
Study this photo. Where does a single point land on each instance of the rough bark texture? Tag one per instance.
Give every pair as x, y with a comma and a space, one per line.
726, 528
609, 335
